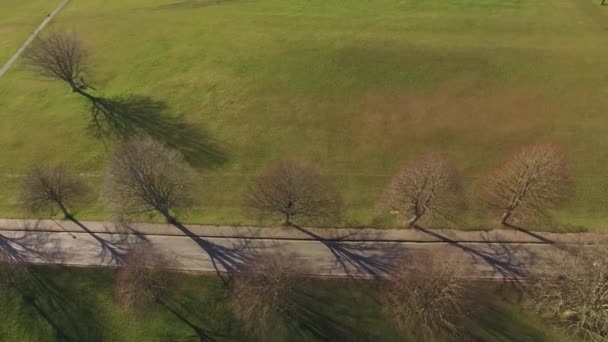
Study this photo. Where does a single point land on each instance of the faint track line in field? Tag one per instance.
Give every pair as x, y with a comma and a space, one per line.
31, 38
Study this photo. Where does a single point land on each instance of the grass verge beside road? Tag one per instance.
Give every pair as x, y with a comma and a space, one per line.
77, 304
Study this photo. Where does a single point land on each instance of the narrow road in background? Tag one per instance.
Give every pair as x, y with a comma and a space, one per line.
29, 40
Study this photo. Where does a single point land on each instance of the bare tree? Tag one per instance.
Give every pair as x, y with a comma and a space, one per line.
294, 189
531, 182
574, 293
145, 176
62, 56
429, 185
427, 296
142, 280
49, 189
264, 290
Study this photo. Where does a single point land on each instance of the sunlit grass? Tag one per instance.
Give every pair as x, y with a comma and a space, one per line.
358, 87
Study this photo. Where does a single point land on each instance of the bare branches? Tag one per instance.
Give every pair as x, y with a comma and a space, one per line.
142, 279
145, 176
51, 189
575, 293
263, 291
430, 298
59, 55
293, 189
528, 184
429, 186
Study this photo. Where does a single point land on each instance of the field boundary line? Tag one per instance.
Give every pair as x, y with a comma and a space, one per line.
31, 38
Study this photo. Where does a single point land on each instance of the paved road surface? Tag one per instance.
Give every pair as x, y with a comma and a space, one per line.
81, 245
31, 38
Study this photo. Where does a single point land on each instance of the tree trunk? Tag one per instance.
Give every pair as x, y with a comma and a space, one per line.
412, 222
170, 219
74, 86
505, 217
64, 210
83, 93
287, 220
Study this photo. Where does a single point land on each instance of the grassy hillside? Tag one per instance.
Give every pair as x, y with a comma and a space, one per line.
77, 304
358, 87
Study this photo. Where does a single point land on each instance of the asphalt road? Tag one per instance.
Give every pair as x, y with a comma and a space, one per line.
322, 257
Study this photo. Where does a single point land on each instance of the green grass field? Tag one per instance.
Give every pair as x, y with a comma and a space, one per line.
358, 87
77, 304
18, 19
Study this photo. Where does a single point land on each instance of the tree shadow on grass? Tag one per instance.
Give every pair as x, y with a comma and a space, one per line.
44, 296
177, 309
202, 309
70, 318
498, 320
307, 317
336, 310
141, 116
360, 258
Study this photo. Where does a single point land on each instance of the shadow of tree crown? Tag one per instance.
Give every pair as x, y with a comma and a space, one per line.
130, 116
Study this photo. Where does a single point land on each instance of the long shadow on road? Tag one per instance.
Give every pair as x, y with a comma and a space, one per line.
359, 259
31, 246
112, 251
530, 233
501, 259
224, 259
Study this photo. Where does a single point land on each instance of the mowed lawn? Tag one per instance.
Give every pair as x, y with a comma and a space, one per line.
77, 304
18, 19
357, 87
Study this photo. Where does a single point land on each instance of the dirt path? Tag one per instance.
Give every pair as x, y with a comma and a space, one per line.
29, 40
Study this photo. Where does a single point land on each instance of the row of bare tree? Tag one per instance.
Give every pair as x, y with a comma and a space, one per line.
529, 184
145, 176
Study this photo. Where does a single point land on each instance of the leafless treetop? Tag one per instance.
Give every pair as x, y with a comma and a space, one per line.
428, 295
428, 185
59, 55
532, 181
264, 290
574, 293
50, 189
145, 176
142, 279
294, 189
